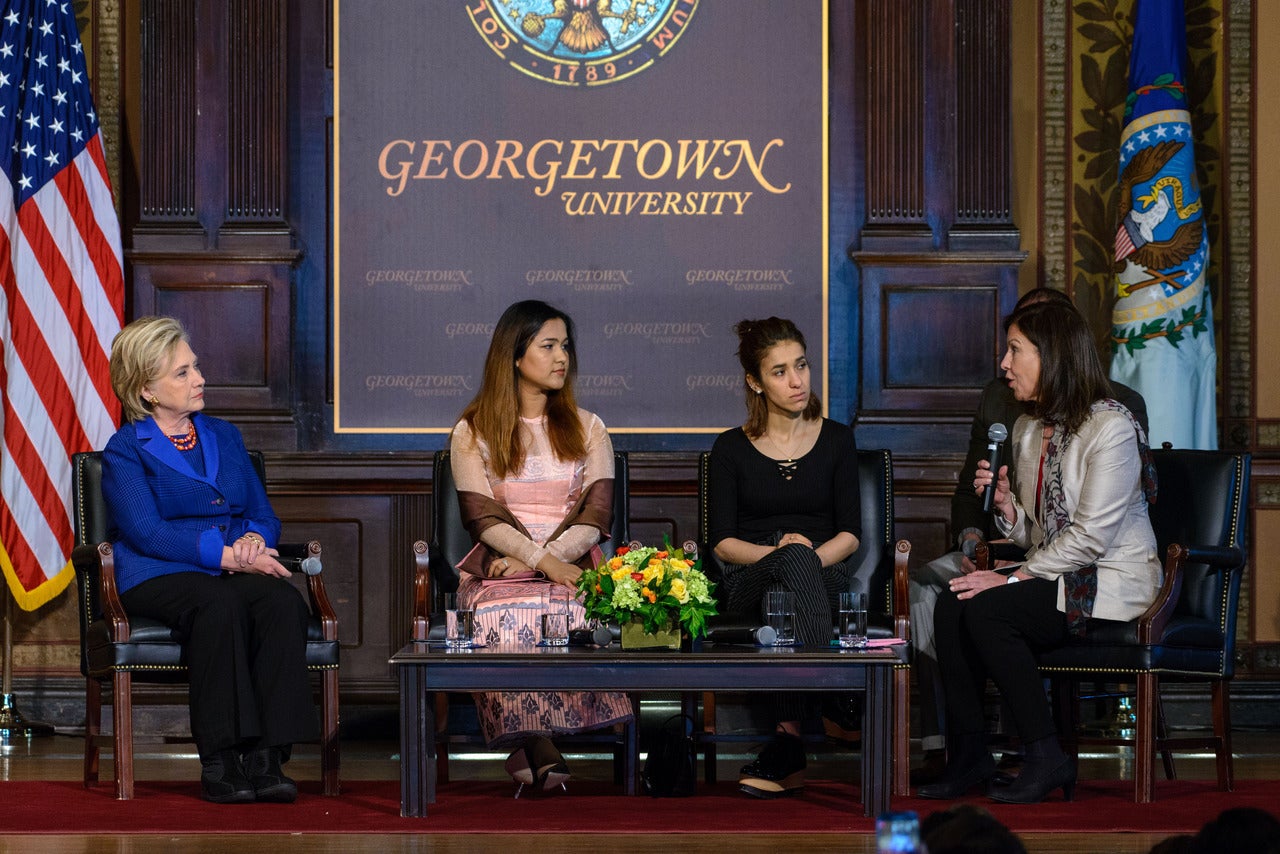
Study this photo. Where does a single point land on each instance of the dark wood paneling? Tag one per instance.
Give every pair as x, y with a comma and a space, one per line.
168, 80
256, 114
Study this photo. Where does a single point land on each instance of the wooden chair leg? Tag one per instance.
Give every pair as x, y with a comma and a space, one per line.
709, 744
1222, 733
1144, 748
330, 753
902, 731
122, 733
92, 730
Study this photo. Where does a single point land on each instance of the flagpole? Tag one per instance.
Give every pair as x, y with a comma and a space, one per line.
12, 724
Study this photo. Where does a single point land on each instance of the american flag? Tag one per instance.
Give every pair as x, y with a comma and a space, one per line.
63, 290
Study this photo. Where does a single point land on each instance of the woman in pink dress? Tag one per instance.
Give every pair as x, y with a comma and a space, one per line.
535, 484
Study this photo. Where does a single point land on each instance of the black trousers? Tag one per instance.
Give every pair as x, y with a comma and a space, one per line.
245, 640
996, 634
796, 568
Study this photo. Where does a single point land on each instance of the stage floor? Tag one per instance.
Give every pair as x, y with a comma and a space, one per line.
374, 758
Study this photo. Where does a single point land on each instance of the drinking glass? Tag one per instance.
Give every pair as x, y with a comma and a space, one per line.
459, 622
851, 620
780, 613
555, 616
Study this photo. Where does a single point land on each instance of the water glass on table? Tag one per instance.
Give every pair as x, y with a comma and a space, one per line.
555, 616
851, 620
459, 622
780, 613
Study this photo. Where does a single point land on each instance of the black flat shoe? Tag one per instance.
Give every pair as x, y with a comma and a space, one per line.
539, 764
957, 782
778, 771
1034, 783
262, 767
222, 780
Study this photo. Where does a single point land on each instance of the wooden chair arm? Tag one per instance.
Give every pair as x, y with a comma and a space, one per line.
901, 592
320, 605
1152, 623
421, 591
108, 596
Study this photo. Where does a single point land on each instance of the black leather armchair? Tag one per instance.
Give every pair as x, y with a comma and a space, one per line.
881, 570
116, 649
436, 573
1188, 633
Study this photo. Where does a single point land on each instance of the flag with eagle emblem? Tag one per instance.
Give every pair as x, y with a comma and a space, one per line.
1162, 324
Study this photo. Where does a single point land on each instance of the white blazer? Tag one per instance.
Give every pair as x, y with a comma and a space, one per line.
1101, 474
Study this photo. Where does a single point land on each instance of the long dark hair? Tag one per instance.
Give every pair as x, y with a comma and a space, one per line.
755, 339
1071, 375
494, 414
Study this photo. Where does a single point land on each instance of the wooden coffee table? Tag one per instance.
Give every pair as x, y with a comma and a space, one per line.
425, 668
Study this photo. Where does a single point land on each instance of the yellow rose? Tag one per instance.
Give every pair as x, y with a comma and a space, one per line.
652, 571
676, 563
680, 590
620, 573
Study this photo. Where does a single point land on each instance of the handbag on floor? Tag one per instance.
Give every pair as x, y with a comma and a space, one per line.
670, 769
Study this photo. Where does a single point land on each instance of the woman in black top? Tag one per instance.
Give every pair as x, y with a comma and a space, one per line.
785, 514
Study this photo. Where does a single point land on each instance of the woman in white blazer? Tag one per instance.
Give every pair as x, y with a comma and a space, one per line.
1076, 498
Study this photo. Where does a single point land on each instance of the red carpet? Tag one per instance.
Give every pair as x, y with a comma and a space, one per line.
471, 807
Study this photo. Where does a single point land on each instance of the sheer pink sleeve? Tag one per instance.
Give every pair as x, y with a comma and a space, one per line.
577, 540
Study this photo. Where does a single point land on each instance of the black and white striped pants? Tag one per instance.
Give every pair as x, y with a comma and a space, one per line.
798, 569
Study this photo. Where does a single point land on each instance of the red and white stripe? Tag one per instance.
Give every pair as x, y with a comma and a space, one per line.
62, 301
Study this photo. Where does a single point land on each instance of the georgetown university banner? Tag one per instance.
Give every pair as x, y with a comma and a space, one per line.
657, 169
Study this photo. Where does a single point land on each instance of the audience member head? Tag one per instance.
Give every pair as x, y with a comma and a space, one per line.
1182, 843
967, 829
494, 413
140, 355
1239, 829
1052, 363
761, 344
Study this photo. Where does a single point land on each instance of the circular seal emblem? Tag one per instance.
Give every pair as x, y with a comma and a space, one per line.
581, 42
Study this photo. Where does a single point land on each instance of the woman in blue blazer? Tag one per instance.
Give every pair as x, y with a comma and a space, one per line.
194, 539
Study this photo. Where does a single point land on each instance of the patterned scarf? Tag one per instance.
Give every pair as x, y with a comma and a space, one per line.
1080, 586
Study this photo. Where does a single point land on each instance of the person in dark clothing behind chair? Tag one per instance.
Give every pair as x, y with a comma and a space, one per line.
194, 539
996, 406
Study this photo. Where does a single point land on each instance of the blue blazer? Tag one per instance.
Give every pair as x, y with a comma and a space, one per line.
166, 518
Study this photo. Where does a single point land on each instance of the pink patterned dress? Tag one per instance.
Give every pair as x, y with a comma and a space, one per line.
509, 613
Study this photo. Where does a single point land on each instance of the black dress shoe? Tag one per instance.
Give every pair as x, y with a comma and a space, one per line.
842, 718
935, 765
778, 771
222, 779
262, 767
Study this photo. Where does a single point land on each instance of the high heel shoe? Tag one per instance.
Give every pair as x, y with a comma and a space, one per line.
1035, 782
957, 781
537, 763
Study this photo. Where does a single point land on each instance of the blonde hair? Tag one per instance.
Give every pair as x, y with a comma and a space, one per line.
139, 355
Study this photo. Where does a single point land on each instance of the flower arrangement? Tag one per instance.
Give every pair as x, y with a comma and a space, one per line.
656, 587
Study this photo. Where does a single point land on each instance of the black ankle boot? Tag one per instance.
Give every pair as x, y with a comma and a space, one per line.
262, 767
969, 764
777, 771
1046, 768
222, 779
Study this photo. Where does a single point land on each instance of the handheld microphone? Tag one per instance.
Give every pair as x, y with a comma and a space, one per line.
307, 565
763, 636
996, 435
969, 548
599, 636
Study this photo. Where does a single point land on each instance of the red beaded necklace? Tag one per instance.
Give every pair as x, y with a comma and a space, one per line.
187, 442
